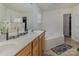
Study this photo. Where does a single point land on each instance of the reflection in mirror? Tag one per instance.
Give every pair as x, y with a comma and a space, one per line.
13, 29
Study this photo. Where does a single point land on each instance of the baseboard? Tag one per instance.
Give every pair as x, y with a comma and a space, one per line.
52, 42
75, 39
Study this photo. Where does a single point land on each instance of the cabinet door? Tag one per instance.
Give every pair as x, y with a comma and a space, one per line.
35, 51
29, 54
35, 47
40, 47
41, 43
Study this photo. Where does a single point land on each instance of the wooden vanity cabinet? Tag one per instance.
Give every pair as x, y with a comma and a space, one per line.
35, 48
41, 44
26, 51
38, 45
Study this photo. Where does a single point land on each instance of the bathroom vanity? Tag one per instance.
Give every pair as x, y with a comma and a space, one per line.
34, 48
31, 44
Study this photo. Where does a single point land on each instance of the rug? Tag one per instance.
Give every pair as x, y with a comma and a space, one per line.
61, 48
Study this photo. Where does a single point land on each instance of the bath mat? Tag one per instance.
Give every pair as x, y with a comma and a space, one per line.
61, 48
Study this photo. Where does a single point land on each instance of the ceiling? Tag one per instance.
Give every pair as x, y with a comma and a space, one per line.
53, 6
23, 7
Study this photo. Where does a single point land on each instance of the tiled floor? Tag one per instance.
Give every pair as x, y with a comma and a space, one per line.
71, 42
71, 52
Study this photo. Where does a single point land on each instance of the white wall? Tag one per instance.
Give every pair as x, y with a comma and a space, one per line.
75, 23
53, 22
36, 17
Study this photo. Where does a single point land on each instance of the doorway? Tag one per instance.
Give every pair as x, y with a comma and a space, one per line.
67, 25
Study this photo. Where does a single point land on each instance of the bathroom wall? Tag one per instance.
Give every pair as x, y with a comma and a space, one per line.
53, 24
36, 17
75, 23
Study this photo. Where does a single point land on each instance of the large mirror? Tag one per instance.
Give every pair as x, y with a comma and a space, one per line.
12, 20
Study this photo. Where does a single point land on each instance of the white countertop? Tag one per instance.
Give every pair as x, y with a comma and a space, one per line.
11, 47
